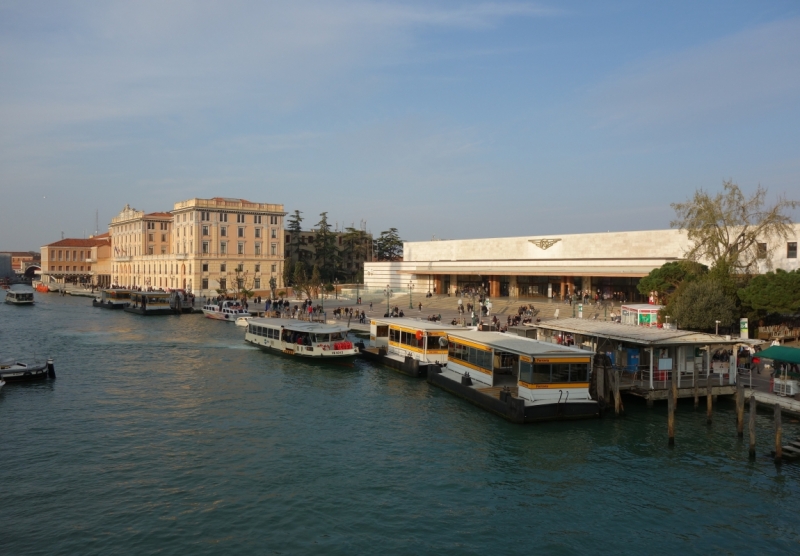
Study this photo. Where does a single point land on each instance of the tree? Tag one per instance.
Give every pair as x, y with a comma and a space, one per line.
698, 304
389, 246
299, 278
356, 247
773, 292
325, 248
316, 279
732, 232
666, 279
293, 226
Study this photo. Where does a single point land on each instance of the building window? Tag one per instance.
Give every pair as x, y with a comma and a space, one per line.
241, 231
258, 268
150, 237
163, 237
205, 248
223, 284
240, 248
151, 225
205, 267
791, 250
274, 233
240, 218
223, 248
204, 283
288, 238
204, 216
223, 267
223, 216
240, 267
258, 232
205, 230
258, 249
223, 231
165, 225
163, 249
761, 250
257, 283
273, 219
149, 249
274, 267
273, 249
257, 219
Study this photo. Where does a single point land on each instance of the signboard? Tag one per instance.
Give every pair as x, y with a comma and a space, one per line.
743, 329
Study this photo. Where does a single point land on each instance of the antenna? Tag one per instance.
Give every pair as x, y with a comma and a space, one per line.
96, 221
62, 234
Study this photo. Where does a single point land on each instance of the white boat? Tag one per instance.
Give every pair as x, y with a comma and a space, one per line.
19, 295
312, 340
2, 383
12, 370
228, 310
243, 321
113, 299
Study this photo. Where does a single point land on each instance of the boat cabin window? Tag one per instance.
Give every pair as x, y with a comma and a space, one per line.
478, 357
336, 336
436, 342
382, 331
544, 373
406, 338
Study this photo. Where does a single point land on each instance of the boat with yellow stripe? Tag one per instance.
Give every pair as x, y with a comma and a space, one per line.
407, 345
521, 379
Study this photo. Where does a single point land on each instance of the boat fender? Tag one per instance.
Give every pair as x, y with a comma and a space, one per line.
443, 341
51, 371
419, 335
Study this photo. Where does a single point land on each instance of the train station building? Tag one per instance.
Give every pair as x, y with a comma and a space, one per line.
553, 266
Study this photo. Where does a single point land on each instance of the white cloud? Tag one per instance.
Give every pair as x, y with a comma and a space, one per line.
748, 72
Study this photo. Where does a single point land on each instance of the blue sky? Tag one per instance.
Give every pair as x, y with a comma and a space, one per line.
440, 118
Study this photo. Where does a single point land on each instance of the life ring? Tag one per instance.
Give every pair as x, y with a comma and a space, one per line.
419, 335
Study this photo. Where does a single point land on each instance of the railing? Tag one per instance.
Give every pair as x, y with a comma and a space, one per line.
640, 377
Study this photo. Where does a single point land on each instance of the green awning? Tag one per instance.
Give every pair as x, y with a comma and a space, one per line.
781, 353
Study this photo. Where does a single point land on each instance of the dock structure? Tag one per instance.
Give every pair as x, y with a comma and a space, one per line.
649, 358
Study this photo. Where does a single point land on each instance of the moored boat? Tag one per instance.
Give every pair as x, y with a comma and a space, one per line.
228, 310
243, 321
12, 370
150, 303
19, 295
517, 378
312, 340
113, 299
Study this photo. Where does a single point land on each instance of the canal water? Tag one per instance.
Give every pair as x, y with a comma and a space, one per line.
169, 435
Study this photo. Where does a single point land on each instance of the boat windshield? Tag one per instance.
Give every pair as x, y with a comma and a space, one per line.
545, 373
336, 336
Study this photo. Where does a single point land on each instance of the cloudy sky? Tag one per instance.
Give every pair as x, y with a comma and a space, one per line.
440, 118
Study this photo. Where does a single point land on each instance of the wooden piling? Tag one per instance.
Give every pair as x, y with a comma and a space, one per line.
617, 398
695, 377
674, 386
740, 409
601, 385
709, 402
671, 417
752, 425
778, 435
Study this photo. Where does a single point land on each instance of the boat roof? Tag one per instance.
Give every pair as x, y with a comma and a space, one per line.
644, 335
300, 325
417, 324
642, 307
151, 294
518, 344
20, 288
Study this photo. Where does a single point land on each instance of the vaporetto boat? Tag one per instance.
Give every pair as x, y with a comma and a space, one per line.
313, 340
227, 310
20, 295
113, 299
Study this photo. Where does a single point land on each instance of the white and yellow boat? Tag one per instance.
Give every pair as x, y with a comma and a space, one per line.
312, 340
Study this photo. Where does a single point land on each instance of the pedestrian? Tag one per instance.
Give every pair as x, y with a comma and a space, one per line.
420, 307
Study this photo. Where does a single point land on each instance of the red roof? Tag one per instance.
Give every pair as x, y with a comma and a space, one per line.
101, 236
158, 215
71, 242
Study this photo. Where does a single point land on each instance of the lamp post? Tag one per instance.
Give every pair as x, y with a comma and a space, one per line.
717, 328
388, 293
336, 287
322, 297
410, 288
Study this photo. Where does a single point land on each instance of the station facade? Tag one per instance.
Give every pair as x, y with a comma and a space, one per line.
609, 264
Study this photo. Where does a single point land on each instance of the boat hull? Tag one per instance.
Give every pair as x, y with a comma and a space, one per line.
109, 305
348, 359
19, 303
28, 374
150, 312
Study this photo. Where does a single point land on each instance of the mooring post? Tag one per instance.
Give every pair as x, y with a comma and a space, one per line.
740, 409
752, 425
709, 402
696, 387
617, 399
601, 383
778, 435
674, 386
671, 417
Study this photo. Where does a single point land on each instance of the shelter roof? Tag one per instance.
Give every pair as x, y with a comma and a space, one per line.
781, 353
518, 344
417, 324
643, 335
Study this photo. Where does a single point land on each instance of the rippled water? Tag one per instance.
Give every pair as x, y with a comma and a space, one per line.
169, 435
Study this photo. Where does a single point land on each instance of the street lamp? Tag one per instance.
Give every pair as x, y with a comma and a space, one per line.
388, 293
410, 302
717, 329
322, 297
336, 287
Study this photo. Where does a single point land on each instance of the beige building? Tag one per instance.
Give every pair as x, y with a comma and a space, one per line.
610, 263
78, 261
202, 245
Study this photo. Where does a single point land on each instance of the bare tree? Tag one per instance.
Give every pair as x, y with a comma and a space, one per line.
730, 231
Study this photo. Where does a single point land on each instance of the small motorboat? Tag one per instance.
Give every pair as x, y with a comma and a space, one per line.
243, 321
12, 370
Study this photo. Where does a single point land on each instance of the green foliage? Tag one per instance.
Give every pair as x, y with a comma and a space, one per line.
326, 252
389, 246
294, 227
666, 279
356, 249
773, 292
697, 304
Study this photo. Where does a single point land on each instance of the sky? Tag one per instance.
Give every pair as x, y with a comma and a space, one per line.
442, 119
